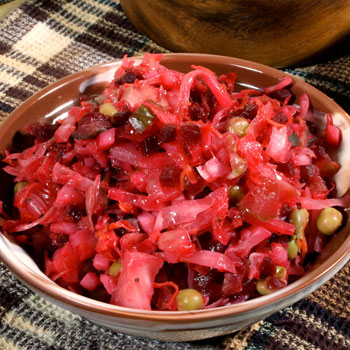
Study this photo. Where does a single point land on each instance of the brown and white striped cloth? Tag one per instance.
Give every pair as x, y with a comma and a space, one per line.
42, 41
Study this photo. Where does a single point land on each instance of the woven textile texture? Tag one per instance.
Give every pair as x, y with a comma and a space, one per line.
43, 41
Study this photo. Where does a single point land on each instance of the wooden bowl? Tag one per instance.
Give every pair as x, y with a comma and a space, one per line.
55, 100
273, 32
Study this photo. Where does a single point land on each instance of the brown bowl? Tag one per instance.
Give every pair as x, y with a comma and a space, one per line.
274, 32
55, 100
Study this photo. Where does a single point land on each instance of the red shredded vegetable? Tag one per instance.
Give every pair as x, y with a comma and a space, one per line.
150, 189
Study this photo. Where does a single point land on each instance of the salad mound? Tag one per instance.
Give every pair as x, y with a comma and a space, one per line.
174, 191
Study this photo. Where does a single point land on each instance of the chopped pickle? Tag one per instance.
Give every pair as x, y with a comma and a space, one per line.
115, 268
20, 185
141, 119
294, 139
108, 109
100, 99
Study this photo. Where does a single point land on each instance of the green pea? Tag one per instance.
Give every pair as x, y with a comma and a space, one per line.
189, 299
115, 268
299, 218
238, 164
329, 220
235, 194
20, 186
262, 287
292, 249
238, 125
281, 272
231, 143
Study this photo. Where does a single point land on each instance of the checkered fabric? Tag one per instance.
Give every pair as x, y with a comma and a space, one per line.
43, 41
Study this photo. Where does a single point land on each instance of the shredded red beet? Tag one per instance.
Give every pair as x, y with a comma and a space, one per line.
150, 188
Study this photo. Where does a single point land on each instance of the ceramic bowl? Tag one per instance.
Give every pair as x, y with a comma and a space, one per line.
274, 32
55, 100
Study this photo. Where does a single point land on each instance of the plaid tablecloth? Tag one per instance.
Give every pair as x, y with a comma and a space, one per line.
43, 41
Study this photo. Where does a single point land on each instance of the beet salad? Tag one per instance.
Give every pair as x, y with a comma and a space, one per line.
174, 191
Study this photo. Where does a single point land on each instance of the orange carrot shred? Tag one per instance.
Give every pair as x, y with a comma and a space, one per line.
168, 284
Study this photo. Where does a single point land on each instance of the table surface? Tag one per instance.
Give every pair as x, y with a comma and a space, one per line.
86, 33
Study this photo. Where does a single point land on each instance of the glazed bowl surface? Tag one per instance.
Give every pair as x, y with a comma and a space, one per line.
274, 32
55, 101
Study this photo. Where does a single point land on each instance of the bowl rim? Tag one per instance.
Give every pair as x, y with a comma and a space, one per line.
324, 270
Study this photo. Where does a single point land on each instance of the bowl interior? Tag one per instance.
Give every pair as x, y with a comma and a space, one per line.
55, 101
